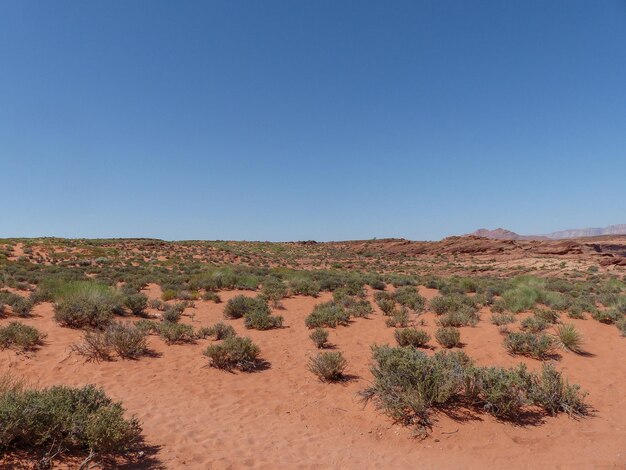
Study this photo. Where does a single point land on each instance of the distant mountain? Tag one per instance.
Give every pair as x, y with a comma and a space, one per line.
503, 234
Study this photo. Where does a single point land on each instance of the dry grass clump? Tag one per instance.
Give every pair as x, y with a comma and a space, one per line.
328, 366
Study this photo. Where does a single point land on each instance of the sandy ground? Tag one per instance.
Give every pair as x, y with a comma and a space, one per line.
198, 417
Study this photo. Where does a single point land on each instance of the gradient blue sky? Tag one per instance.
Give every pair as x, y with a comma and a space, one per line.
287, 120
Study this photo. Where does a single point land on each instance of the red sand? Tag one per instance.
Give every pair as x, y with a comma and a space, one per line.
283, 417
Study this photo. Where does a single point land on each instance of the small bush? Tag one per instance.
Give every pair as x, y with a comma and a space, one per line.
360, 309
233, 352
212, 296
464, 316
327, 314
16, 335
549, 316
454, 302
319, 336
534, 324
398, 318
538, 346
241, 305
568, 337
502, 391
448, 337
82, 304
621, 326
387, 305
606, 316
556, 395
176, 333
274, 290
304, 287
409, 297
261, 320
221, 331
94, 347
76, 419
501, 319
172, 313
328, 366
22, 307
128, 341
136, 303
411, 337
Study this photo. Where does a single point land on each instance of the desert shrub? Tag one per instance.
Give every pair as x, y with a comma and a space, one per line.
148, 326
606, 316
521, 298
82, 304
319, 336
534, 324
398, 318
377, 284
501, 319
386, 305
328, 366
274, 290
136, 303
452, 303
503, 392
411, 337
241, 305
168, 294
94, 347
555, 300
555, 395
538, 346
75, 419
360, 309
547, 315
2, 310
568, 337
157, 304
22, 307
498, 306
327, 314
304, 286
176, 333
448, 336
233, 352
221, 331
409, 297
212, 296
172, 314
407, 383
621, 325
16, 335
128, 341
464, 316
261, 320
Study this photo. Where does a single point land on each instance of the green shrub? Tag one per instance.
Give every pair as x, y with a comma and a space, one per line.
568, 337
503, 392
606, 316
464, 316
386, 305
398, 318
521, 298
241, 305
212, 296
327, 314
261, 320
554, 394
221, 331
128, 341
234, 352
22, 307
176, 333
328, 366
501, 319
448, 337
360, 309
411, 337
621, 325
136, 303
274, 290
303, 286
319, 336
75, 419
172, 313
168, 294
16, 335
409, 297
534, 324
82, 304
538, 346
454, 302
547, 315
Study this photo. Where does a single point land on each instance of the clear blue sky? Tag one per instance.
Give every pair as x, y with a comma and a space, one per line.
287, 120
